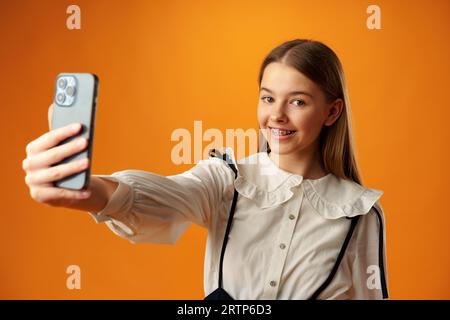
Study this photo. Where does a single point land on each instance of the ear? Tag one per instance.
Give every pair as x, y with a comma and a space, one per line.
334, 110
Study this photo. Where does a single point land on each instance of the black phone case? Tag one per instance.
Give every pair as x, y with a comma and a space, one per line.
82, 110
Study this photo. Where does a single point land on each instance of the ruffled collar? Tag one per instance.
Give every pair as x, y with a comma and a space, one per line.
262, 181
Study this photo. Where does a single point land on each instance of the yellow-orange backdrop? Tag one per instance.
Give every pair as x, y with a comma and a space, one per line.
164, 64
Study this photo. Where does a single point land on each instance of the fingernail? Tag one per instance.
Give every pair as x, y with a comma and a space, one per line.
81, 142
84, 162
76, 126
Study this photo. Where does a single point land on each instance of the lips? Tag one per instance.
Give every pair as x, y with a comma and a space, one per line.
281, 131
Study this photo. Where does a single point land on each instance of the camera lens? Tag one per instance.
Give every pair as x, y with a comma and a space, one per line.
70, 91
60, 97
62, 83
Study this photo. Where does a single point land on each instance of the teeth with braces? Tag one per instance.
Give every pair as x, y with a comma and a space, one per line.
281, 132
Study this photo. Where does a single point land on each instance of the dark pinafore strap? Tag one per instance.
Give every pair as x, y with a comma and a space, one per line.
354, 221
325, 284
221, 294
381, 265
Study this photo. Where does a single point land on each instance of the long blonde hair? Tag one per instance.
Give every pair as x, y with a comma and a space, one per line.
321, 65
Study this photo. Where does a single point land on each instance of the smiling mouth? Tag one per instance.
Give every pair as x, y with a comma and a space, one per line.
280, 133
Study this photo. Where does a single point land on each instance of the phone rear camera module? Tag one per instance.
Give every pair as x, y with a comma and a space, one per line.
66, 88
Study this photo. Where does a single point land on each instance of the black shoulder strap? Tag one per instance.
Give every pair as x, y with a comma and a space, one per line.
342, 252
216, 153
354, 221
381, 265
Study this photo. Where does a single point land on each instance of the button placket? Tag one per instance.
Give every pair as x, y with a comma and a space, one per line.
271, 286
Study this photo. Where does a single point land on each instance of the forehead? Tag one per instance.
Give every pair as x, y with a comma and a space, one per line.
284, 79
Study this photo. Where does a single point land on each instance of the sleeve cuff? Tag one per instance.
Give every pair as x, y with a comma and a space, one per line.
121, 196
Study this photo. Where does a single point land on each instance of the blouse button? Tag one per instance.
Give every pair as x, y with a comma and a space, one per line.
291, 216
273, 283
282, 246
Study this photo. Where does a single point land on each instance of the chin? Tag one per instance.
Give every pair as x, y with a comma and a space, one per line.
280, 150
283, 149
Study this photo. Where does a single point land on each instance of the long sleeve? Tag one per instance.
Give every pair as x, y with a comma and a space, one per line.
147, 207
365, 258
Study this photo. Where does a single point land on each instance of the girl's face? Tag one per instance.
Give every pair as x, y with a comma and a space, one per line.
288, 100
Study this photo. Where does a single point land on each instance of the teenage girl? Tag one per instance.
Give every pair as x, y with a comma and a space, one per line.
292, 221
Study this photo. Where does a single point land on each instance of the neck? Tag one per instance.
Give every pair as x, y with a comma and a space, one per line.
307, 163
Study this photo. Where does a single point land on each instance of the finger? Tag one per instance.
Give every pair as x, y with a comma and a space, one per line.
54, 155
57, 172
52, 138
50, 115
58, 196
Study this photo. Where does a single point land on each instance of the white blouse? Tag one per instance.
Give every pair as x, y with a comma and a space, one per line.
286, 233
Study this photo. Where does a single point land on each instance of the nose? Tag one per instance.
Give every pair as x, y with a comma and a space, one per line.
277, 113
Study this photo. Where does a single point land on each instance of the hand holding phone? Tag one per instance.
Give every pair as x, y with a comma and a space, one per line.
51, 157
57, 163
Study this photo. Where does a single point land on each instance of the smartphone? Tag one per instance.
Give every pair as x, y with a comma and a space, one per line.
75, 100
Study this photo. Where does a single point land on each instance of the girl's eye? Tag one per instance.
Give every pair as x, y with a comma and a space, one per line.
263, 98
301, 102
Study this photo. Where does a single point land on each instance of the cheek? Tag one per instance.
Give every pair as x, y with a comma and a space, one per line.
262, 121
309, 124
262, 116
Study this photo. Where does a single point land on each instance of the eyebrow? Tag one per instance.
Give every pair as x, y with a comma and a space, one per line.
290, 93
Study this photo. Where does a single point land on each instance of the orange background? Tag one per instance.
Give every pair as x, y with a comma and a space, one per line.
164, 64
